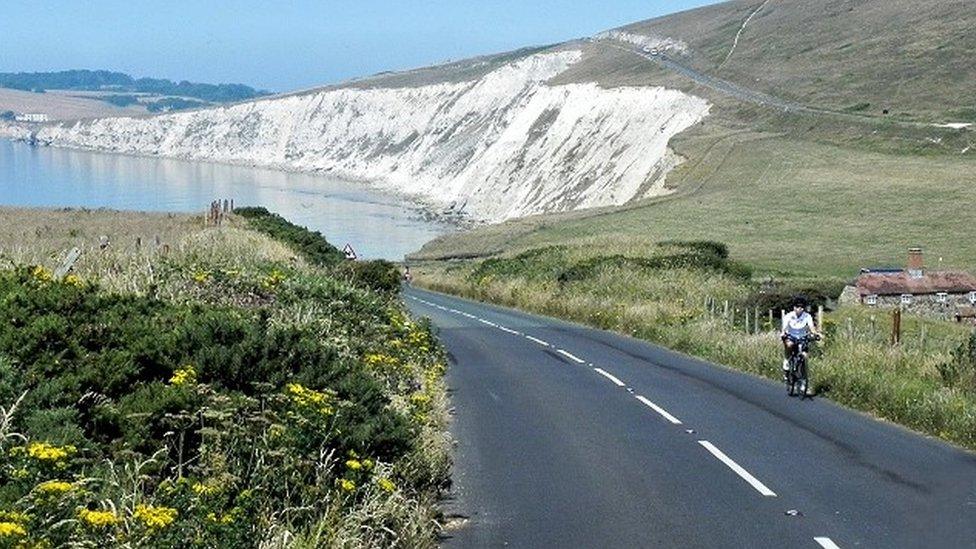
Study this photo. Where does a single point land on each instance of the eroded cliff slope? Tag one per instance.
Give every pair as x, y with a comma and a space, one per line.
501, 145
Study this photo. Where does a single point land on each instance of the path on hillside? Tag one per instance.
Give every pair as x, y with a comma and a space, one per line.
763, 99
574, 437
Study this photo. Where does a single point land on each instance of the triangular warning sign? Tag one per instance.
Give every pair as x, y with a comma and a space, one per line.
350, 253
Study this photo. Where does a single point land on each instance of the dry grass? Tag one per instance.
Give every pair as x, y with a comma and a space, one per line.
61, 105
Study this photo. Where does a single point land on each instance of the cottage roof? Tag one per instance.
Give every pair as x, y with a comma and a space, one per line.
953, 282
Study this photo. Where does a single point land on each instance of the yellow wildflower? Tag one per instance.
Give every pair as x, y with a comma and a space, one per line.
42, 274
73, 280
368, 464
11, 529
201, 277
419, 399
185, 375
155, 517
46, 452
14, 516
347, 485
97, 519
354, 465
309, 398
55, 487
203, 489
272, 280
223, 518
386, 485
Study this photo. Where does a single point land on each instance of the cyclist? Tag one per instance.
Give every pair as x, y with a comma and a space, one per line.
797, 324
407, 277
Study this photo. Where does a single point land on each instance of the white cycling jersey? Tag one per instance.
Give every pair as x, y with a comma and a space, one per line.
798, 326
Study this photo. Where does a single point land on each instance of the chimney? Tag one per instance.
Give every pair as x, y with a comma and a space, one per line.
916, 266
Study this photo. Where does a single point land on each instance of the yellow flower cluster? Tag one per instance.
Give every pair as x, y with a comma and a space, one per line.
55, 487
419, 399
155, 517
97, 519
184, 375
11, 529
41, 274
223, 518
354, 464
201, 277
380, 360
347, 485
205, 489
386, 485
273, 280
46, 452
73, 280
310, 398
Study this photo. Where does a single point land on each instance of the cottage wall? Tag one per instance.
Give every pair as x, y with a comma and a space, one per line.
926, 305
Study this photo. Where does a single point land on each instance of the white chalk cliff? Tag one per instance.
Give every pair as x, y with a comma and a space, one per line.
501, 146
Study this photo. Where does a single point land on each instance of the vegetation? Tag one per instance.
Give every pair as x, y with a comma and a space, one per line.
87, 80
691, 297
173, 104
312, 245
232, 394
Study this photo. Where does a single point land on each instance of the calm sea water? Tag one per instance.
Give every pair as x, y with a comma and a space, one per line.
375, 224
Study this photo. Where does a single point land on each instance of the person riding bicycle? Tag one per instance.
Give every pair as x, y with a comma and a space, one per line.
797, 325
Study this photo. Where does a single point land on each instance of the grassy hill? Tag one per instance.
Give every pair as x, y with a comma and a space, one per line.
795, 192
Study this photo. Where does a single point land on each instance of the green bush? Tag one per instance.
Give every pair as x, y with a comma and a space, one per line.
378, 275
310, 244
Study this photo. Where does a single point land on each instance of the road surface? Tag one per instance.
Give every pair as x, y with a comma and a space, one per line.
574, 437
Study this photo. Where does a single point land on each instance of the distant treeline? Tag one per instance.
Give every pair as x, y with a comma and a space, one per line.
86, 80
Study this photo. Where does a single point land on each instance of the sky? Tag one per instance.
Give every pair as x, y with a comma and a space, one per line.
293, 44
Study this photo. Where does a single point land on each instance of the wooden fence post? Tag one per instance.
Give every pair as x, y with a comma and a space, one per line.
896, 327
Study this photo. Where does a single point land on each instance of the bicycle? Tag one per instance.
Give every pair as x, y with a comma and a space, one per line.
797, 379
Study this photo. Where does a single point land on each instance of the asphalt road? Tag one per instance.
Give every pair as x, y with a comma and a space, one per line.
573, 437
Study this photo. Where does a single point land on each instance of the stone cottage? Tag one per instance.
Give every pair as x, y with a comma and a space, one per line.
915, 289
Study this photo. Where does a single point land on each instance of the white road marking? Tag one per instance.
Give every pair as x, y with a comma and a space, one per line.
488, 322
508, 330
571, 356
826, 543
537, 340
609, 376
753, 481
659, 410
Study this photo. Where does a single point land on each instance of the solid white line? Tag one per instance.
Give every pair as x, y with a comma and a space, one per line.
537, 340
571, 356
659, 410
753, 481
826, 543
609, 376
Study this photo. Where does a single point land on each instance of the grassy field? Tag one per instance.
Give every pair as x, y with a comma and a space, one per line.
787, 207
668, 295
229, 390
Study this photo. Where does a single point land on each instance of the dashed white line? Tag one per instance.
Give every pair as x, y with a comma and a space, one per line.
609, 376
508, 330
571, 356
488, 322
826, 543
537, 340
753, 481
659, 410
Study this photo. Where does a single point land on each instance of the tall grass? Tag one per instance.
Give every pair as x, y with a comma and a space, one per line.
927, 383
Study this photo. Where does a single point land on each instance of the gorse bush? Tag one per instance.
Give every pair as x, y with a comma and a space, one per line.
268, 404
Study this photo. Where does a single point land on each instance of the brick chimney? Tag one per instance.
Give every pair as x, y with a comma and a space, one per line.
916, 265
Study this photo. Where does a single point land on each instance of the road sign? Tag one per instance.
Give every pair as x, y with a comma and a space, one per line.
350, 253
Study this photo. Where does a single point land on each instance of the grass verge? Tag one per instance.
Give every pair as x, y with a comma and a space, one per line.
928, 383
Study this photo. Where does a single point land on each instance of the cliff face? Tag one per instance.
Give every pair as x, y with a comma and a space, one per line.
500, 146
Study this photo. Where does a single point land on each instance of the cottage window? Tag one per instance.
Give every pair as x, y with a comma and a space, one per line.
871, 299
972, 297
942, 297
906, 299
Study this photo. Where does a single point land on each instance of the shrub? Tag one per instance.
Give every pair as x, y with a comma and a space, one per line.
310, 244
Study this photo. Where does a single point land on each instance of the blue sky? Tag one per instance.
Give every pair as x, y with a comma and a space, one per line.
285, 45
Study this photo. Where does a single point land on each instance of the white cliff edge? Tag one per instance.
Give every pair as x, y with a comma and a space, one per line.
503, 146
